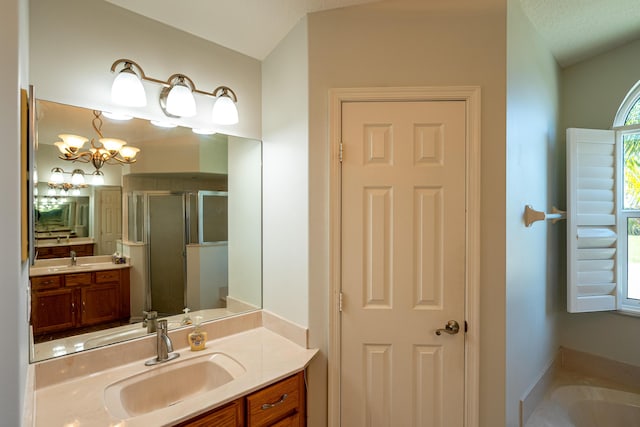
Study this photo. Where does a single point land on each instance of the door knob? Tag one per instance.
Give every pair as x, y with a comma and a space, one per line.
452, 327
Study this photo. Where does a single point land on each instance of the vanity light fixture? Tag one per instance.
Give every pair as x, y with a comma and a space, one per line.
106, 151
176, 97
58, 185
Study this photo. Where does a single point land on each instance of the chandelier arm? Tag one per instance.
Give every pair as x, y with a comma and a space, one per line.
119, 160
84, 157
97, 128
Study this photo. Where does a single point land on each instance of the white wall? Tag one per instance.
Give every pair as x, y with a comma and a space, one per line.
415, 43
207, 272
74, 42
592, 92
13, 304
285, 135
245, 220
533, 177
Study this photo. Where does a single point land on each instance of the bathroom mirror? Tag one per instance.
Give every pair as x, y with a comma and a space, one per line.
186, 216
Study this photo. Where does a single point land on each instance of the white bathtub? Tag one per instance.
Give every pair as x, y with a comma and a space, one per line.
590, 406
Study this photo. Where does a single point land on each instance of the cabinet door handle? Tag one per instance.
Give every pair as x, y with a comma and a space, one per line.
279, 402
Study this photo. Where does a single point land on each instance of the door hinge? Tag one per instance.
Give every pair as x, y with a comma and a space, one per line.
340, 302
341, 152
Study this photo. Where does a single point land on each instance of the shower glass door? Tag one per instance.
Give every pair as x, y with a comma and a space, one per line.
166, 240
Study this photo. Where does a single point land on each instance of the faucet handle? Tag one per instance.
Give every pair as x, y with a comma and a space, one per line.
151, 314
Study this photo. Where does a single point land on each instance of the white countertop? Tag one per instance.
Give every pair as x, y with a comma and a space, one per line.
63, 241
84, 264
266, 356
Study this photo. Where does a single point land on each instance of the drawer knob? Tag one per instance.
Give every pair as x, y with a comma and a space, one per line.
279, 402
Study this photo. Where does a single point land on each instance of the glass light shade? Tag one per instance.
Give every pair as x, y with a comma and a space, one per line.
162, 124
180, 101
56, 176
50, 192
127, 89
202, 131
98, 178
116, 116
224, 111
129, 153
74, 141
75, 192
77, 177
112, 144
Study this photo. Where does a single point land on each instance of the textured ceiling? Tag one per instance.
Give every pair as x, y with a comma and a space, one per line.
578, 29
572, 29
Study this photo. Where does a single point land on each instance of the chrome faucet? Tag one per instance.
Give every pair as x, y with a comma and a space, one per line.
164, 346
150, 321
73, 258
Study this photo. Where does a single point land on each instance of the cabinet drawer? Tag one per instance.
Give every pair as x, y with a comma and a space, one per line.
77, 279
107, 276
273, 403
45, 282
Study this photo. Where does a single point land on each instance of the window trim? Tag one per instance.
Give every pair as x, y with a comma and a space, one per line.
625, 305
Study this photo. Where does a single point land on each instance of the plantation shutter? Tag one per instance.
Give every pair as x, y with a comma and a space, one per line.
592, 236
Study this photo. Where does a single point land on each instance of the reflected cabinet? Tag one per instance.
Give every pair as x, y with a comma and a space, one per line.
63, 302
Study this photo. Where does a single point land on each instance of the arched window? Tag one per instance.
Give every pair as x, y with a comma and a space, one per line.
603, 212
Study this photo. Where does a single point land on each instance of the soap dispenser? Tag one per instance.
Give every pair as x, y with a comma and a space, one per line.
186, 319
197, 338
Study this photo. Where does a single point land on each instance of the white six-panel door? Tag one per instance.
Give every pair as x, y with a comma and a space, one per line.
403, 263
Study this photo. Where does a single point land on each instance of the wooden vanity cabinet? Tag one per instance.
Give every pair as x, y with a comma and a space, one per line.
64, 251
68, 301
229, 415
282, 404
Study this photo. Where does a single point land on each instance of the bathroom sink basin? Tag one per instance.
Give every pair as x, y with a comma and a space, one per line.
68, 268
170, 384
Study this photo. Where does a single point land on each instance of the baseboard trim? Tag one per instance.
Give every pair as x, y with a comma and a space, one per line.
534, 395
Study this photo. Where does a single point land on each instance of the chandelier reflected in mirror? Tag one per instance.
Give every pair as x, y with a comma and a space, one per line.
104, 151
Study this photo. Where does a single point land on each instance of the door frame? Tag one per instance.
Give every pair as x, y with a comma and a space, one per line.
471, 96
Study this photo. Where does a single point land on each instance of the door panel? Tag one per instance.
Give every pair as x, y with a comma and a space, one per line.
167, 253
403, 265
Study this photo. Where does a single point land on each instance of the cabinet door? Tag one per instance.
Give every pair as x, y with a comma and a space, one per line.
230, 415
277, 402
82, 250
290, 421
100, 303
52, 310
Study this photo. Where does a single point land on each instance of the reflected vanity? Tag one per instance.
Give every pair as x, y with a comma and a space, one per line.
185, 218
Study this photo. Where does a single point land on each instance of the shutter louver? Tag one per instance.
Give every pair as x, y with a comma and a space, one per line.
591, 220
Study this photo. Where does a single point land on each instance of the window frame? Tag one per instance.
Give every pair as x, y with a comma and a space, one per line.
624, 304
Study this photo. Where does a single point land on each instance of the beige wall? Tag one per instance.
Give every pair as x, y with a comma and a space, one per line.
409, 43
533, 177
592, 92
